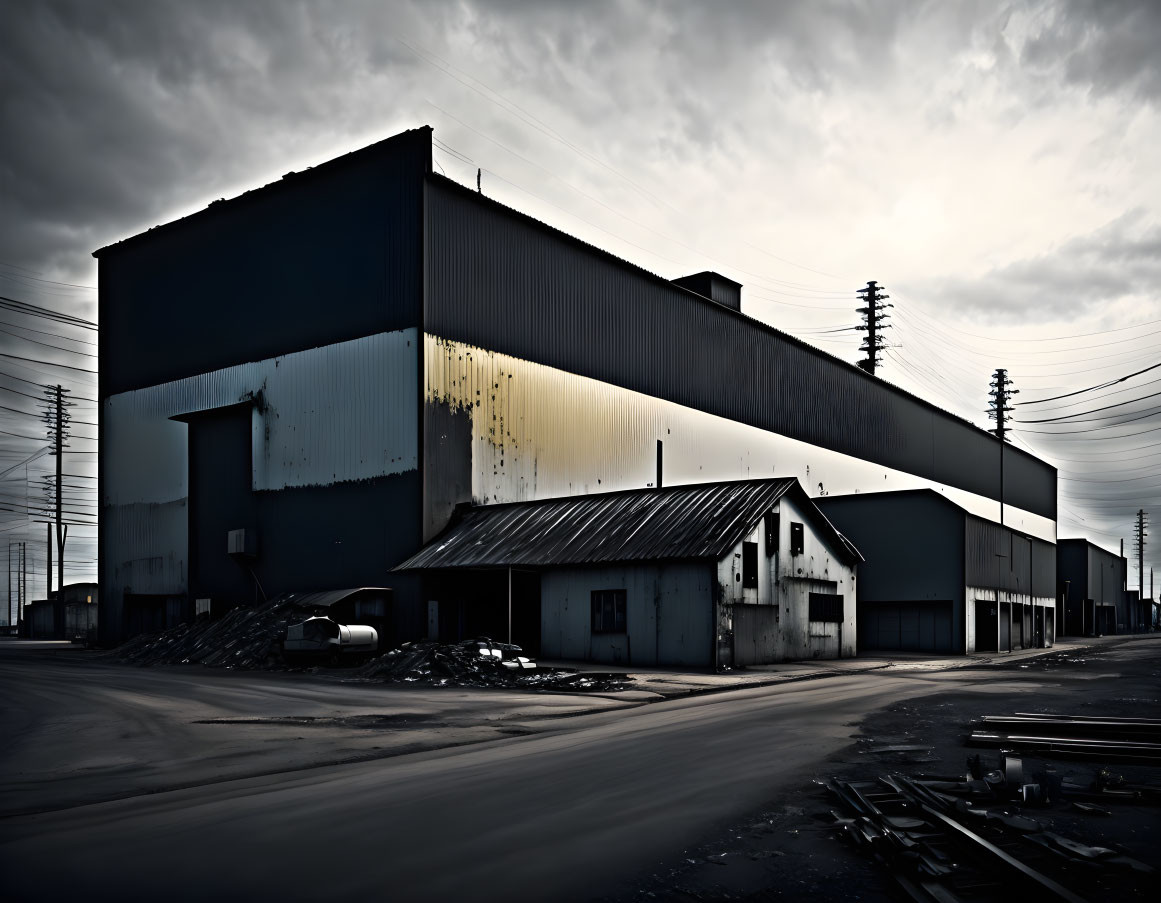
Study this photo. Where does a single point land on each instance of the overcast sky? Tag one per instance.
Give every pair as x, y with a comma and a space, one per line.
993, 164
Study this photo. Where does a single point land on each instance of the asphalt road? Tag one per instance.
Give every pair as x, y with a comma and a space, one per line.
558, 809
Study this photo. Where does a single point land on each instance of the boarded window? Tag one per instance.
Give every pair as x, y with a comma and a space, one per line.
771, 522
796, 539
826, 607
749, 565
608, 610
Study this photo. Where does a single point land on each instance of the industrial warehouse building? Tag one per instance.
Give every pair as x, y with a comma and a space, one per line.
709, 575
1092, 583
939, 579
300, 385
71, 614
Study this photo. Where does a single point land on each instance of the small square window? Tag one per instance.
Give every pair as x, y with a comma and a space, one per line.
749, 565
826, 607
608, 610
797, 543
771, 523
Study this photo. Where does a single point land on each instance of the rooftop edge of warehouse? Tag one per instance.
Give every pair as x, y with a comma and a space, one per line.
295, 178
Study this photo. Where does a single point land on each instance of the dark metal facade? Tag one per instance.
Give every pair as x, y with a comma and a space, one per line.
913, 545
321, 257
325, 255
1092, 572
502, 281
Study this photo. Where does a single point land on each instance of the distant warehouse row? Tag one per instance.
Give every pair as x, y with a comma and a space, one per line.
365, 374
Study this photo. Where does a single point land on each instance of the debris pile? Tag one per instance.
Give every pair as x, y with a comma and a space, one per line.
480, 663
981, 835
252, 638
245, 638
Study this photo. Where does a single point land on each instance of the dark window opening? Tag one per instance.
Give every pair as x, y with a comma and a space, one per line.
749, 565
608, 610
826, 607
771, 522
797, 543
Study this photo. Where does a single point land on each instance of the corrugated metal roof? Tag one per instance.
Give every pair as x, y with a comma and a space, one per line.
702, 521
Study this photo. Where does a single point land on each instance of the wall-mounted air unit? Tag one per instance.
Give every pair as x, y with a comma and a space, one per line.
242, 543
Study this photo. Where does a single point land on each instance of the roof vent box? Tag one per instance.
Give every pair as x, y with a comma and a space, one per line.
714, 286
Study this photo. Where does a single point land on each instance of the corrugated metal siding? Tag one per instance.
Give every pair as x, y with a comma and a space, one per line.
682, 522
995, 557
503, 282
501, 429
1019, 564
1106, 576
143, 548
323, 256
338, 413
1043, 568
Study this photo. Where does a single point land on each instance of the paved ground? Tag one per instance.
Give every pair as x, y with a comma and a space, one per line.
188, 784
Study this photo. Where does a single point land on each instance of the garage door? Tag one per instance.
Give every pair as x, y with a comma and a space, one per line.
906, 626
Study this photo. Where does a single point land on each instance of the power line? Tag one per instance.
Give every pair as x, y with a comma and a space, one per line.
1072, 404
1107, 407
13, 266
1068, 437
25, 338
48, 314
55, 335
1104, 385
46, 363
6, 375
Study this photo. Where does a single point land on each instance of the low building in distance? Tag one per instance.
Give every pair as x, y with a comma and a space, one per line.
940, 579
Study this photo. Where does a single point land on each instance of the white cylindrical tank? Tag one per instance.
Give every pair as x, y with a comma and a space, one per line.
357, 637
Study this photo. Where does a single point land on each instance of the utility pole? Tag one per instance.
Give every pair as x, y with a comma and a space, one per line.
56, 419
22, 587
873, 313
1001, 393
1139, 535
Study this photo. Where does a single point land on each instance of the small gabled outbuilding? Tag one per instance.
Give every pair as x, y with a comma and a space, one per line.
707, 575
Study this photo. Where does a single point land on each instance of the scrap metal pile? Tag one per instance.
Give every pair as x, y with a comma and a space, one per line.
1073, 736
481, 663
972, 837
245, 638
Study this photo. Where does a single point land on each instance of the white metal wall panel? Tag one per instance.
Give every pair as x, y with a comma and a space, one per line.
539, 432
339, 413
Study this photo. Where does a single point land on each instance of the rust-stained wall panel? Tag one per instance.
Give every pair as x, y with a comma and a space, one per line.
534, 431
